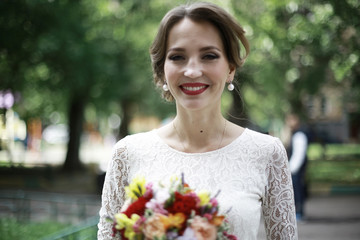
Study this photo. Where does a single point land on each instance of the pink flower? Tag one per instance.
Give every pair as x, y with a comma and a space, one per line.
154, 227
203, 230
156, 207
214, 202
208, 216
161, 196
149, 190
138, 224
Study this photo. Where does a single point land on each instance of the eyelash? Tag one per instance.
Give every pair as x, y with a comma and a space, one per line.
175, 57
210, 56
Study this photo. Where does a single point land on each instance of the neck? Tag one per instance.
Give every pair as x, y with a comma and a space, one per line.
200, 132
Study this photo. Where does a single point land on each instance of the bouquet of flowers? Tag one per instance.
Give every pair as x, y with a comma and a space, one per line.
173, 212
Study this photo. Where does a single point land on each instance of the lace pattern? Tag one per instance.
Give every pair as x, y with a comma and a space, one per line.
279, 206
252, 173
113, 195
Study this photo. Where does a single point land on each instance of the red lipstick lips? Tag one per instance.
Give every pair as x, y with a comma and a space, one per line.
193, 88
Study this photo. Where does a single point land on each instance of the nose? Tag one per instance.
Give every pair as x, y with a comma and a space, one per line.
193, 69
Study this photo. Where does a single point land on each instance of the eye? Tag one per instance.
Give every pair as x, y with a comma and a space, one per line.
210, 56
176, 57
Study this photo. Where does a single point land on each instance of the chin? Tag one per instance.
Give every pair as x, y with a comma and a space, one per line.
195, 105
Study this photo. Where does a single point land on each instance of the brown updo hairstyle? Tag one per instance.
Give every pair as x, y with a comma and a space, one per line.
230, 31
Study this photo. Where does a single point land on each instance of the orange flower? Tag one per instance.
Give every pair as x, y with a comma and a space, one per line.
173, 220
217, 220
203, 230
154, 227
187, 188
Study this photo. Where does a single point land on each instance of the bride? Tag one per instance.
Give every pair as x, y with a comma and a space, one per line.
195, 54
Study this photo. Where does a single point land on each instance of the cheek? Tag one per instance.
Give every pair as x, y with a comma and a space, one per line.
220, 71
170, 71
220, 76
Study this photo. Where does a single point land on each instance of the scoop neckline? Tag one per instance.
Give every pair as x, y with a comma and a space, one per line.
200, 153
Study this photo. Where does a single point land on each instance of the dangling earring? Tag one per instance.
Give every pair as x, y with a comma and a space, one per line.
165, 87
231, 86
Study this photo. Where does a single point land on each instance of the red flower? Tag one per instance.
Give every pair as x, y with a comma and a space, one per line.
183, 203
114, 230
138, 207
229, 236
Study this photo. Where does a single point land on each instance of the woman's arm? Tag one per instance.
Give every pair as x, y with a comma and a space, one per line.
278, 205
113, 194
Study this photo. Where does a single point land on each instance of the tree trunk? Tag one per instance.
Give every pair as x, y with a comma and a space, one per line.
125, 121
76, 117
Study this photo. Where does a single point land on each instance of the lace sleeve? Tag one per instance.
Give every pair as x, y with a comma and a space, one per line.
278, 207
113, 193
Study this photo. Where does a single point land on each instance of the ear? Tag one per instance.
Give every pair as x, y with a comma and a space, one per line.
232, 70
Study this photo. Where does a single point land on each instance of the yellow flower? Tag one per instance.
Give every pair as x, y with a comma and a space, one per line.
173, 220
204, 197
122, 221
174, 182
129, 230
136, 188
174, 178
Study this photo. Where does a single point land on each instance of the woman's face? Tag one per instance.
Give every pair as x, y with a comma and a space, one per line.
196, 68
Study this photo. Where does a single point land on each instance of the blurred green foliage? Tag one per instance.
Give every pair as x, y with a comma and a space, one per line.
334, 164
298, 47
334, 172
318, 151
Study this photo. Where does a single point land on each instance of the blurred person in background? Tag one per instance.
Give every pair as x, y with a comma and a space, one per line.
297, 154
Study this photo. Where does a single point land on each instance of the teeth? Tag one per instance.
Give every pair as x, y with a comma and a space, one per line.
194, 88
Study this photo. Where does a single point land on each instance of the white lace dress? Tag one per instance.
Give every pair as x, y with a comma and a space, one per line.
251, 172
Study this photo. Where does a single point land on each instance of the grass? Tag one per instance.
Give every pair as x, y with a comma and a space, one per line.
10, 228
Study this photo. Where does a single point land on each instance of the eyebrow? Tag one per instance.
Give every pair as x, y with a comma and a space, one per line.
179, 49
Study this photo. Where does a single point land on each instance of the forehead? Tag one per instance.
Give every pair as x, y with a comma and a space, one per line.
188, 31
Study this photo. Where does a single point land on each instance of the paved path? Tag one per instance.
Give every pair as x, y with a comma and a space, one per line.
334, 217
